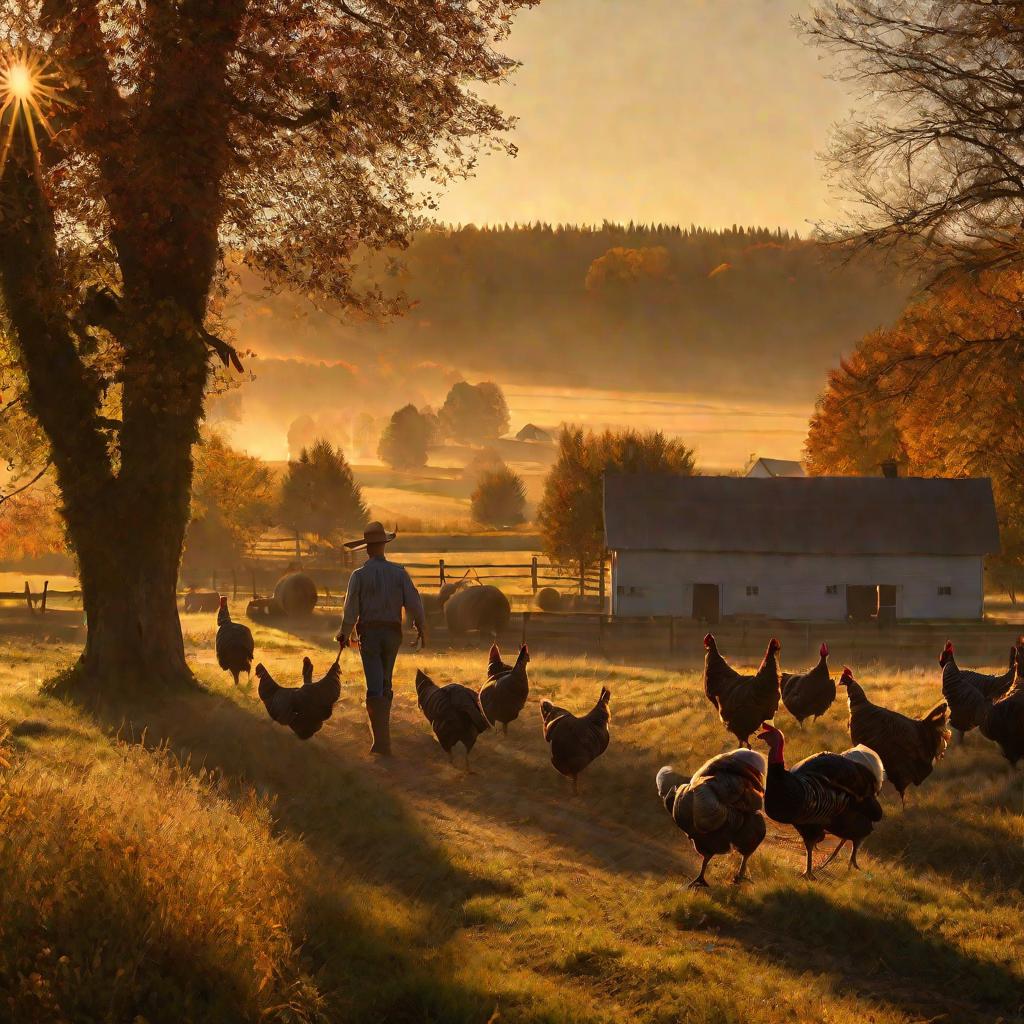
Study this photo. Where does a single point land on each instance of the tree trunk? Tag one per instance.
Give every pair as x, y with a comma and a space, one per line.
134, 636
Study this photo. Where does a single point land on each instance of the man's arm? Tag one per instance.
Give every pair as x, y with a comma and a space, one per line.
413, 603
351, 613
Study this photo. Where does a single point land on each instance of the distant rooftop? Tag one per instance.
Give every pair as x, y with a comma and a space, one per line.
811, 515
776, 467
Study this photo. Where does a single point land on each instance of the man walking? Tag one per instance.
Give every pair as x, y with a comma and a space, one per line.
377, 592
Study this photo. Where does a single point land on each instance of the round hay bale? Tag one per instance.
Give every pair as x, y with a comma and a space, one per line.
296, 594
548, 599
483, 608
202, 601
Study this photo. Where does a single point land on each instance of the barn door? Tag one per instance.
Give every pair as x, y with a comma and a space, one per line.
706, 602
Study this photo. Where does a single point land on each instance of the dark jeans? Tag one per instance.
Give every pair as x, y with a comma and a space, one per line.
378, 646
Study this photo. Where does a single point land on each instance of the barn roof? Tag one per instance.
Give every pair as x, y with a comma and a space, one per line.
792, 515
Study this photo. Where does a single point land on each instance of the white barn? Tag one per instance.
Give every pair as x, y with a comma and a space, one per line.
812, 548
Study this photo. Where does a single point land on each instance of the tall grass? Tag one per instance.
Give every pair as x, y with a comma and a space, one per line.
137, 889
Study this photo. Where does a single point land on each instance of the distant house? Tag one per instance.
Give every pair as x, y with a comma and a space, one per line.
775, 468
814, 548
533, 433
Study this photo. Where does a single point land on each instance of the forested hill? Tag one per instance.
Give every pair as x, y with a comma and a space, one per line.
741, 311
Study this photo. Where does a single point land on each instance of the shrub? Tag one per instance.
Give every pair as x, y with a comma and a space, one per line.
499, 499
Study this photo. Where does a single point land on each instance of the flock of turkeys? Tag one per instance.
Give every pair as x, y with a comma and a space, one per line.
722, 806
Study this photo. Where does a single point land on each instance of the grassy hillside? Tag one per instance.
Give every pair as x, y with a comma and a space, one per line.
226, 871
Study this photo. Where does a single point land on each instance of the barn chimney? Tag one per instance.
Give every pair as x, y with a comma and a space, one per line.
890, 469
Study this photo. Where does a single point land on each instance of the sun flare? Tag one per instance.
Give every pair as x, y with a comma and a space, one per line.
29, 90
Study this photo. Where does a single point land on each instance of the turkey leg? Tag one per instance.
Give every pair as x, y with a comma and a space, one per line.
853, 856
700, 882
741, 875
808, 871
832, 856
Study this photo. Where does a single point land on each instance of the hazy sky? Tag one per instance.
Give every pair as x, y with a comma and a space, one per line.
709, 111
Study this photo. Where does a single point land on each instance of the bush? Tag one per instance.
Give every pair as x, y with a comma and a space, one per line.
499, 499
136, 889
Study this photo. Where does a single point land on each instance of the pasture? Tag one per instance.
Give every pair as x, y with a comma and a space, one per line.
189, 859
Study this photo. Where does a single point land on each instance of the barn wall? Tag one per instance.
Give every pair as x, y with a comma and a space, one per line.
794, 586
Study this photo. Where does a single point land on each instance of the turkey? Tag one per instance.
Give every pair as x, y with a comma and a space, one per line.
908, 747
504, 695
990, 687
454, 713
823, 793
235, 646
575, 742
304, 709
743, 702
809, 694
1001, 721
719, 806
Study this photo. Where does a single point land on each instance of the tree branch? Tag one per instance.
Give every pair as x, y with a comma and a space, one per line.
39, 476
322, 111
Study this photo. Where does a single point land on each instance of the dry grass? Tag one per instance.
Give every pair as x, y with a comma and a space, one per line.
412, 893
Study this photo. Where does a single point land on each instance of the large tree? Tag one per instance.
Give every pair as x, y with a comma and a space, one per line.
571, 511
152, 144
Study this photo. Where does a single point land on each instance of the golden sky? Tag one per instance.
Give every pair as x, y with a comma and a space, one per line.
711, 111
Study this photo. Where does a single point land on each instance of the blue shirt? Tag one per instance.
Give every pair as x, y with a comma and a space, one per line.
377, 592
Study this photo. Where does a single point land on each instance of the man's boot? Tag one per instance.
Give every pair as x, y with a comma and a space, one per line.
378, 711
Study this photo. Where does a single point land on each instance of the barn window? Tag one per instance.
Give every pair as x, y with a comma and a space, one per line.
832, 589
629, 591
753, 591
945, 591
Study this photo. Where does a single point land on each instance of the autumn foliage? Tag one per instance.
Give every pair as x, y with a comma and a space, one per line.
941, 392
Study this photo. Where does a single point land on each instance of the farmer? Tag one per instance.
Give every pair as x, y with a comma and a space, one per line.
377, 592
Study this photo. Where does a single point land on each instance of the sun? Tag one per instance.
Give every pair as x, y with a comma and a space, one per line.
19, 81
29, 91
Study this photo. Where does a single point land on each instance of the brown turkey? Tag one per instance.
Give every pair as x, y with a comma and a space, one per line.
742, 702
719, 806
304, 709
908, 747
823, 793
234, 643
507, 687
576, 741
454, 713
1001, 721
961, 717
809, 694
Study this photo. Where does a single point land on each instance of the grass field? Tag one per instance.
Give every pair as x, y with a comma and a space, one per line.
226, 871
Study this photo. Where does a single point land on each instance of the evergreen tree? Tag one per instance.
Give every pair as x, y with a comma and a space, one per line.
320, 495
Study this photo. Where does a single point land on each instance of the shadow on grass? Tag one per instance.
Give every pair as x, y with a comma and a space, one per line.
874, 955
345, 811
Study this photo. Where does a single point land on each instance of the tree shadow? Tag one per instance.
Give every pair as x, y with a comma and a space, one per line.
875, 956
337, 803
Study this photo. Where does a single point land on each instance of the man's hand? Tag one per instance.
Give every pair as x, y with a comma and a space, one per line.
343, 640
420, 642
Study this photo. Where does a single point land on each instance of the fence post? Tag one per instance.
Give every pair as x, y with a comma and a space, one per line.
28, 597
213, 581
671, 634
533, 573
254, 584
440, 572
234, 584
583, 580
526, 621
46, 587
600, 582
